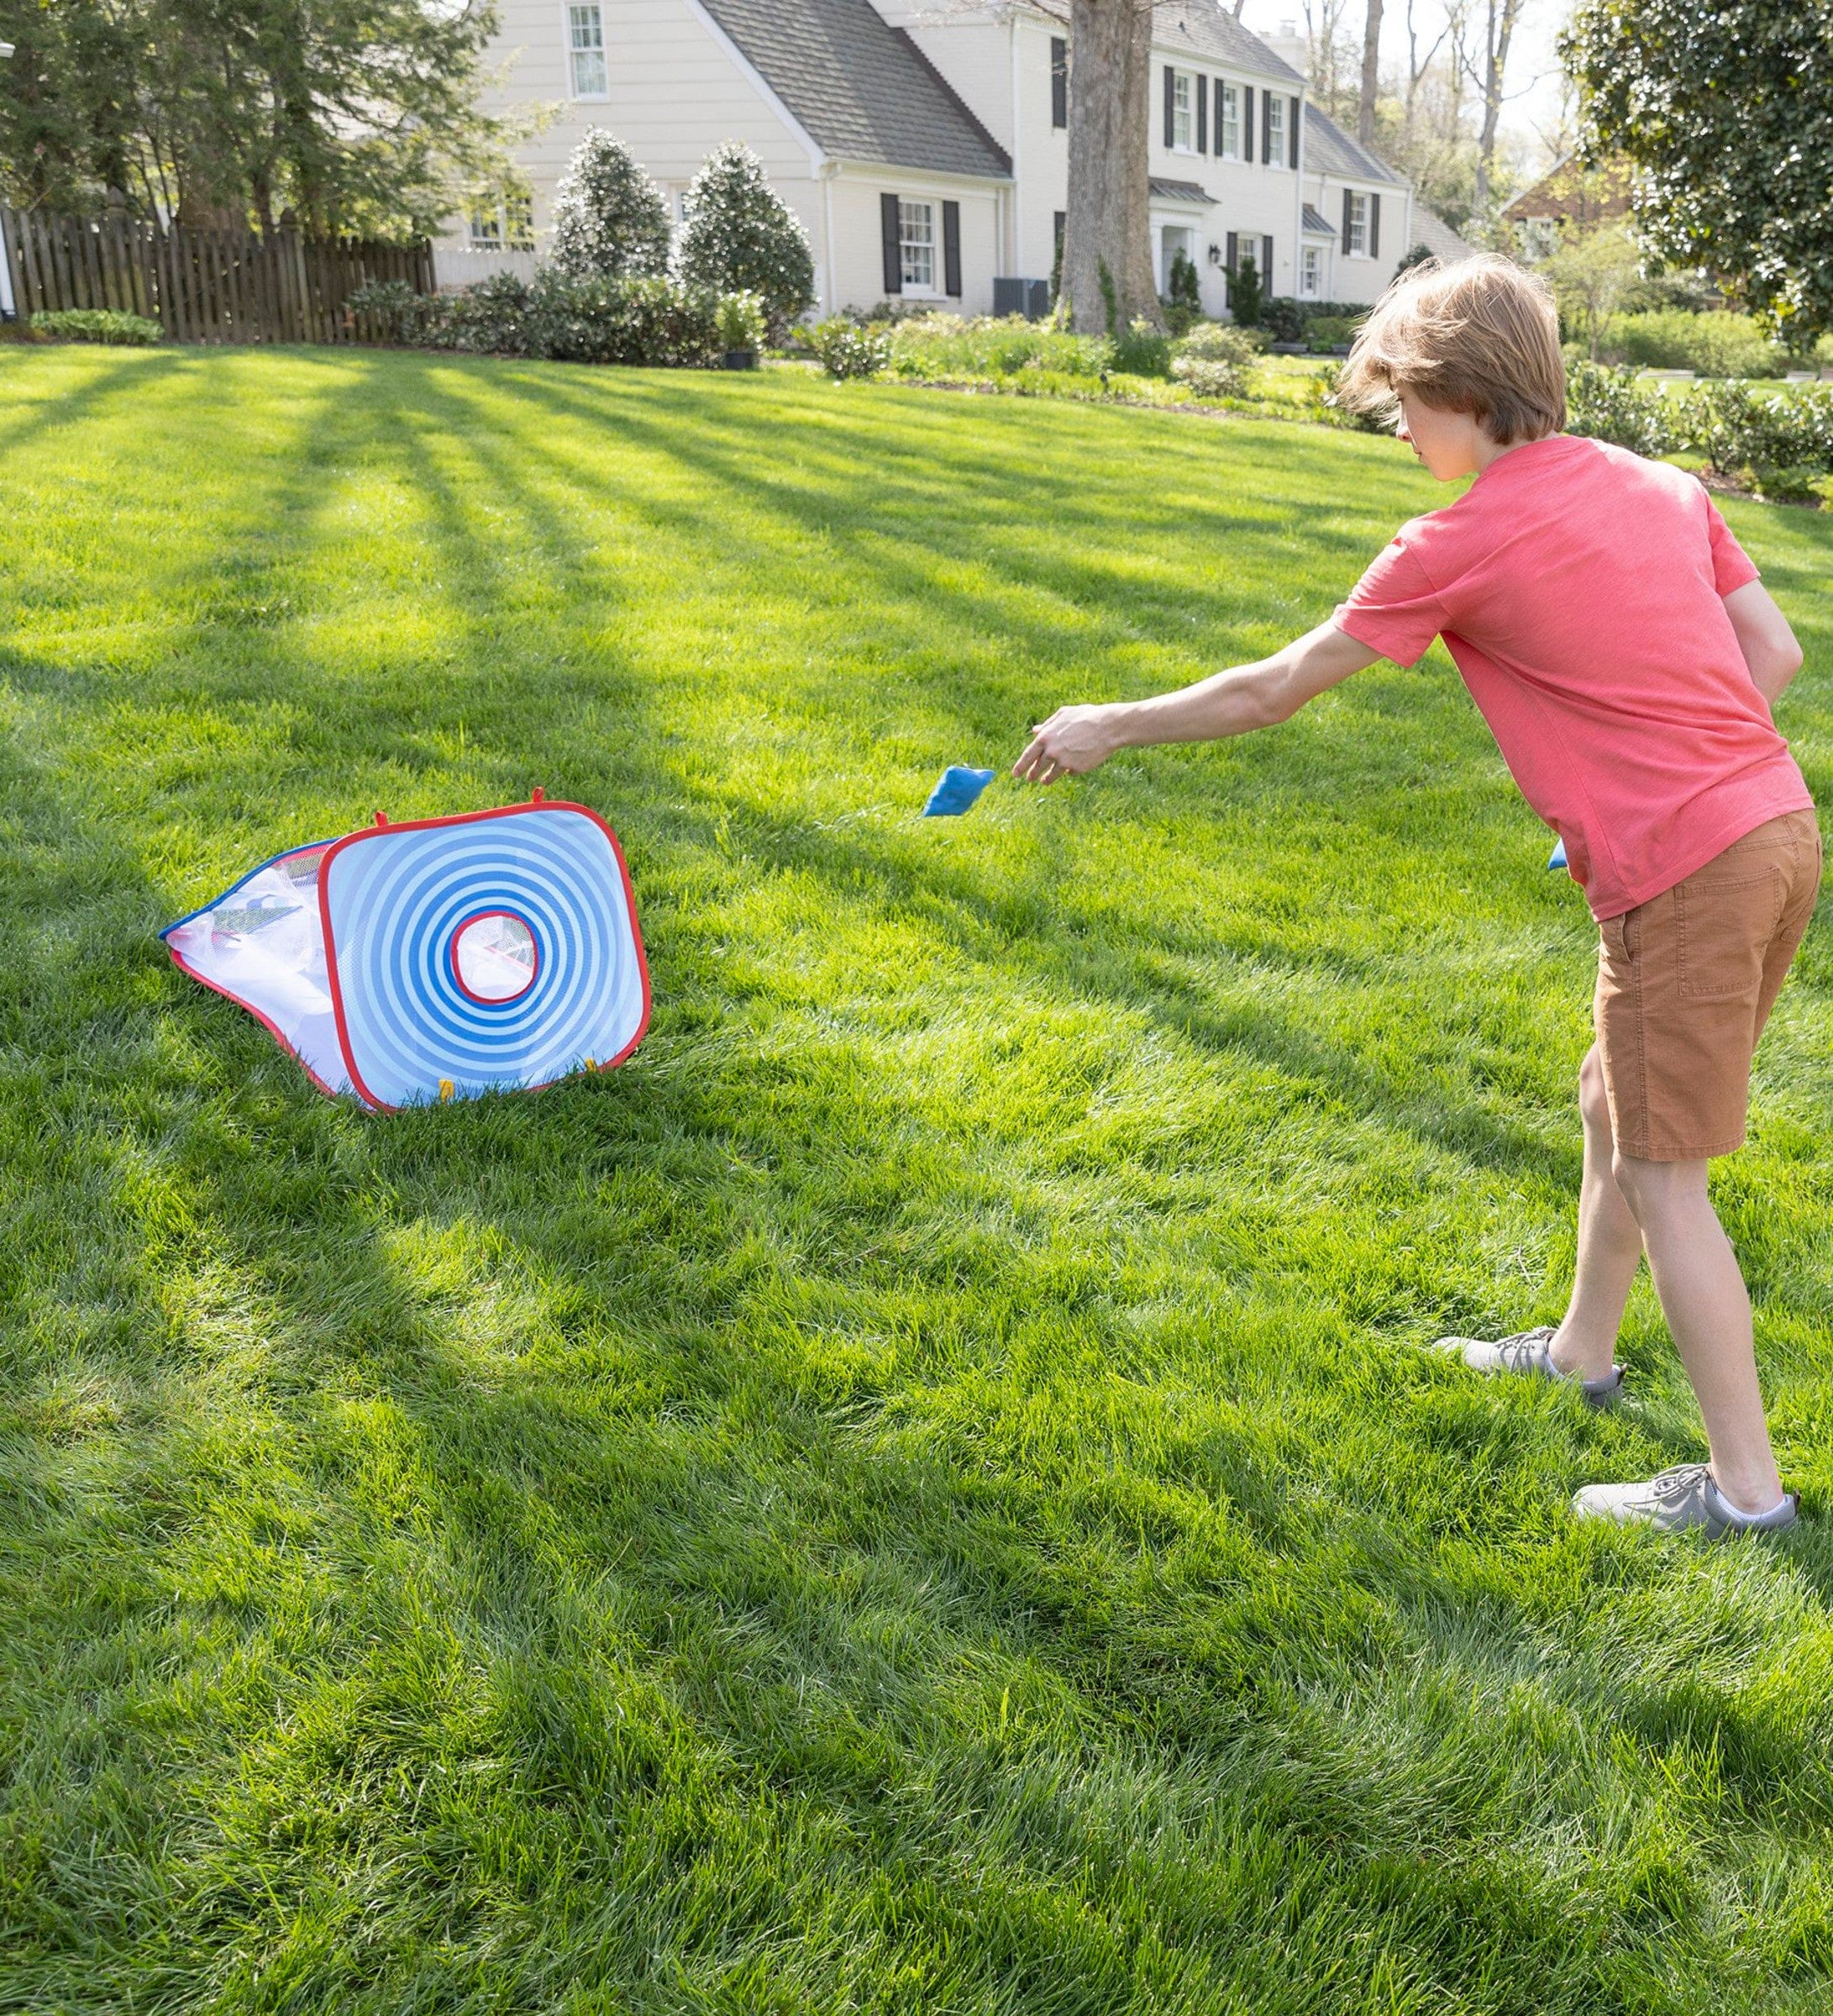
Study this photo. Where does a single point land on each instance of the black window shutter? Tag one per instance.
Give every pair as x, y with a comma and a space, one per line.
1233, 249
951, 250
1266, 263
1374, 226
1293, 142
1265, 128
1202, 117
1247, 121
894, 252
1059, 80
1349, 207
1170, 104
1218, 115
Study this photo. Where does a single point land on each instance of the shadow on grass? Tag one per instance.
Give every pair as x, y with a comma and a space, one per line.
680, 1466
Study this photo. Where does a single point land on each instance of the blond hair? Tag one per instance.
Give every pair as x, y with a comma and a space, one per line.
1481, 337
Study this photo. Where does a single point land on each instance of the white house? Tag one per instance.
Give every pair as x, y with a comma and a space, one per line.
924, 143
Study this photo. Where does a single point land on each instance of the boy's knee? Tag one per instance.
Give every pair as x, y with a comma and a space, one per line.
1650, 1189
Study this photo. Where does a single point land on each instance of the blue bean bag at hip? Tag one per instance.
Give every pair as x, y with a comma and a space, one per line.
437, 958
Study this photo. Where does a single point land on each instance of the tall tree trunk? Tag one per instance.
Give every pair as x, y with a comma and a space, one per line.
1499, 33
1107, 277
1371, 72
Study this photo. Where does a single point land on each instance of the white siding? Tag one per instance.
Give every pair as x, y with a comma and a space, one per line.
1362, 278
859, 245
673, 95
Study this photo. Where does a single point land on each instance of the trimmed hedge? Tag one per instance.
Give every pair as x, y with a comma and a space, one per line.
630, 320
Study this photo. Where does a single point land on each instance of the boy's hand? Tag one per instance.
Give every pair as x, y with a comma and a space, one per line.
1073, 742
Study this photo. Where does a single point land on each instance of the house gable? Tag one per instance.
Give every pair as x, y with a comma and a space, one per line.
863, 90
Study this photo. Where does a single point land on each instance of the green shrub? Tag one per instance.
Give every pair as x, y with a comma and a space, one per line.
740, 236
1143, 350
631, 320
610, 219
643, 321
1184, 296
1246, 292
1779, 442
1330, 332
389, 311
494, 319
946, 346
847, 351
1714, 345
95, 325
1613, 404
1214, 360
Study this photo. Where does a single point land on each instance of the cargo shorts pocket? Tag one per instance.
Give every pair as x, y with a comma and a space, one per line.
1723, 929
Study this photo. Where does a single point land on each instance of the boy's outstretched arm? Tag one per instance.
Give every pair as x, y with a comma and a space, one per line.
1078, 739
1765, 639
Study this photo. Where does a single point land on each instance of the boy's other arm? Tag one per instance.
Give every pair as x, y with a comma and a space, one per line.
1076, 739
1765, 639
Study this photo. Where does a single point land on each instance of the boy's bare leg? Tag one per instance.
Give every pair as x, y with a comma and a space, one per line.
1609, 1242
1708, 1316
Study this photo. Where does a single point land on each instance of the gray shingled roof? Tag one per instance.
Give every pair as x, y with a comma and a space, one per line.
1182, 192
863, 91
1431, 231
1206, 28
1329, 150
1315, 222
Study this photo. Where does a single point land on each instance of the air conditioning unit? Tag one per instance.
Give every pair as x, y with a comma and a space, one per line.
1030, 298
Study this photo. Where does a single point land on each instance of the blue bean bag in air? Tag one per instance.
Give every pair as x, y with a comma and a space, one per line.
438, 958
956, 790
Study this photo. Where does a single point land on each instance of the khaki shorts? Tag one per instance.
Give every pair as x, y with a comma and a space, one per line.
1685, 983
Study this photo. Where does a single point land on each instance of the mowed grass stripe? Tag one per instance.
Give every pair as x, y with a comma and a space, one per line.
920, 1492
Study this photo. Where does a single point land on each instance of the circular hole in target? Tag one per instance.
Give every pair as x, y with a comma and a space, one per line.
495, 956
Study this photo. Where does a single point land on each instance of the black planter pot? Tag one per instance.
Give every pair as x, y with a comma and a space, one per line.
741, 360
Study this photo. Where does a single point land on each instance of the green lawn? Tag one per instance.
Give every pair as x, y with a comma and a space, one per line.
919, 1492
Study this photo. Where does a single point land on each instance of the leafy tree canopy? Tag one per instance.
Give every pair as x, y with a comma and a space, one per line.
1726, 112
356, 115
610, 219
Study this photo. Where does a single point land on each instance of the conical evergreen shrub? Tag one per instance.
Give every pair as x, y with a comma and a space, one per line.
740, 236
610, 219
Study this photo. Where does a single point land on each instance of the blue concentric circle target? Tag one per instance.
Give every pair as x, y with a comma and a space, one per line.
395, 899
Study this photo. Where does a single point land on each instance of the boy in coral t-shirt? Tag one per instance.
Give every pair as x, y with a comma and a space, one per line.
1626, 658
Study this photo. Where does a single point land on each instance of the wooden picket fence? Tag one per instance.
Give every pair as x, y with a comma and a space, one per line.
203, 286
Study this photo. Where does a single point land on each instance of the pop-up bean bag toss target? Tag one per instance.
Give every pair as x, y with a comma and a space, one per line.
437, 958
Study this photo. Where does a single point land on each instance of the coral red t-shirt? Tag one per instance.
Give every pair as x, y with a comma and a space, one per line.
1578, 588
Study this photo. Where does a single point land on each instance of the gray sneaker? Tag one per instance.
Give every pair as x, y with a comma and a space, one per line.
1527, 1352
1682, 1501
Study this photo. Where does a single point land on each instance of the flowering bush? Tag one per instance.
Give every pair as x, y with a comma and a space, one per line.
610, 219
847, 351
741, 236
1214, 360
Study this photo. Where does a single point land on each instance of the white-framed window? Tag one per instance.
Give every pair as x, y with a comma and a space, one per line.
1183, 112
586, 47
1274, 115
1228, 121
497, 222
1311, 272
1357, 244
916, 245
